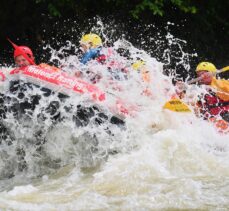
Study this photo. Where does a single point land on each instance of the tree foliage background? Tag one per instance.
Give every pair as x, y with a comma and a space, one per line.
203, 24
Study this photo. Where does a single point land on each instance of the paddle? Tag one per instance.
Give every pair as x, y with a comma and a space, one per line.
224, 69
22, 52
176, 105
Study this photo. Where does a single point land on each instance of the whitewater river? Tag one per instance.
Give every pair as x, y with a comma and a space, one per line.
160, 160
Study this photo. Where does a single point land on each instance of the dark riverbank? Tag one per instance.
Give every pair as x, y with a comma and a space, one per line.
30, 23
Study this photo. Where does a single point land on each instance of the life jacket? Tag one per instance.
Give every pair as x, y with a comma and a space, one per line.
222, 87
211, 105
104, 57
115, 68
221, 125
101, 58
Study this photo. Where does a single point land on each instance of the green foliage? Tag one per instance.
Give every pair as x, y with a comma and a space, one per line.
185, 6
208, 12
157, 7
205, 21
53, 10
135, 7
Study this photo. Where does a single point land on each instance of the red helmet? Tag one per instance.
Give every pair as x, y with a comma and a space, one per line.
23, 49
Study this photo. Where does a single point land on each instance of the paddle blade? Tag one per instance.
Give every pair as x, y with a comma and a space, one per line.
176, 105
225, 69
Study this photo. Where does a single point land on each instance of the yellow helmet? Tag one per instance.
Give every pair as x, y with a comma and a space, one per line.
92, 39
206, 66
138, 64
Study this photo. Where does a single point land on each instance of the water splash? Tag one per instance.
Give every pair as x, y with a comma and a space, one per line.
159, 160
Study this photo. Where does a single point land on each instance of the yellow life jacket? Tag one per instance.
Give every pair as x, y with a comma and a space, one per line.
222, 87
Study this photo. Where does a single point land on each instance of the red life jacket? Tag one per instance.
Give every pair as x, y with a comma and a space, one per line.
211, 105
101, 58
114, 67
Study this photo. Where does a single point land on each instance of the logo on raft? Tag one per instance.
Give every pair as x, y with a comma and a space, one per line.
60, 80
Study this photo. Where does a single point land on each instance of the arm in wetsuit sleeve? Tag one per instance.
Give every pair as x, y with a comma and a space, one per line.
91, 54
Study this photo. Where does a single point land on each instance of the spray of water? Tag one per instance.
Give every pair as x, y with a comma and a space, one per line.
157, 160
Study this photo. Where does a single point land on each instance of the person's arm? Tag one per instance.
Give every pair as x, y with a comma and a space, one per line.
91, 54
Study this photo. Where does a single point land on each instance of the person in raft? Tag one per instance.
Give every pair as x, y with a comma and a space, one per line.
23, 56
143, 71
214, 103
92, 47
